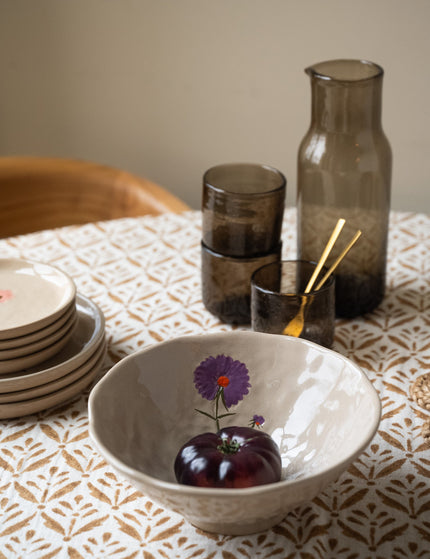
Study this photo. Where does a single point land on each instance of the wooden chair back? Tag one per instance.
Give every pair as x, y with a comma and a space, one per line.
39, 193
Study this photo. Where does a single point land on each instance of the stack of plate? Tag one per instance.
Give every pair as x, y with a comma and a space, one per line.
52, 340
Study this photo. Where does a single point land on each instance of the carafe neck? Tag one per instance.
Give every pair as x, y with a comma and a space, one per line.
346, 95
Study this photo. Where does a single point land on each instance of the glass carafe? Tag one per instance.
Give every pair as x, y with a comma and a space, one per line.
344, 171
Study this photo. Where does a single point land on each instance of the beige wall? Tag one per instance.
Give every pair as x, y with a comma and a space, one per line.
167, 88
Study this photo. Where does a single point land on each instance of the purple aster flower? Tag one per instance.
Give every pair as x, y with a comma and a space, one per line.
222, 372
257, 421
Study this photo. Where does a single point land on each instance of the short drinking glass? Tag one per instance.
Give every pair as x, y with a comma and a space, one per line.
243, 206
277, 298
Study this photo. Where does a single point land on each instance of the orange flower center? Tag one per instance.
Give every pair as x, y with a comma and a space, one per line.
223, 381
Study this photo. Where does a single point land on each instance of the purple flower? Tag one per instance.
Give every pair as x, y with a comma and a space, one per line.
222, 372
257, 421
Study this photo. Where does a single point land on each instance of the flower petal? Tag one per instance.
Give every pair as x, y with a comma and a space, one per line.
208, 371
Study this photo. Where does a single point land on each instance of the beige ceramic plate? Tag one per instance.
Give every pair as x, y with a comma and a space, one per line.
33, 359
19, 341
319, 407
18, 409
32, 295
37, 346
86, 338
54, 385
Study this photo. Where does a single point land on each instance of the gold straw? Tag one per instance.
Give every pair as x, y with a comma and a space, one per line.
338, 259
326, 252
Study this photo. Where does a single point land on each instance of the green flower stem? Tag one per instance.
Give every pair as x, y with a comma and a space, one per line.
216, 408
217, 416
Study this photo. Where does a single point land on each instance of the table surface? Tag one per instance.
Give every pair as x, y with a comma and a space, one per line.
58, 498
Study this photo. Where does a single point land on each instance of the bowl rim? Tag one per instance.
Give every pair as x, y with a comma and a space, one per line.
193, 491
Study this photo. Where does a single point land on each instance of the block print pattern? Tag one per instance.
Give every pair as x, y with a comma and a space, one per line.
58, 498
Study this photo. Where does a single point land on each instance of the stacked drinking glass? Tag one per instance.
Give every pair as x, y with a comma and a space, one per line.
243, 207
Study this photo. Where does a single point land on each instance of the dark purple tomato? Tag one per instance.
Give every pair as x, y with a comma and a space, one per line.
233, 457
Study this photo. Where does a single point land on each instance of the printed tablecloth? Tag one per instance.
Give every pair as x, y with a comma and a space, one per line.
58, 498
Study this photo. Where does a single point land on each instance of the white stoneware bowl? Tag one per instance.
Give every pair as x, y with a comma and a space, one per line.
319, 407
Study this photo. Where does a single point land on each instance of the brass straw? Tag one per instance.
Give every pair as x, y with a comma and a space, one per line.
326, 252
338, 259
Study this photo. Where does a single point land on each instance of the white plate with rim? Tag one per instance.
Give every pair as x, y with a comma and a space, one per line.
27, 407
86, 338
27, 349
49, 387
19, 341
32, 296
33, 359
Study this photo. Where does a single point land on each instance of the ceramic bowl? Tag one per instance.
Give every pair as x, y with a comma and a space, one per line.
319, 407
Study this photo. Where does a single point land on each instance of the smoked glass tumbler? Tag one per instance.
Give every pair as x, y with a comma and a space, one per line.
226, 283
277, 298
242, 209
